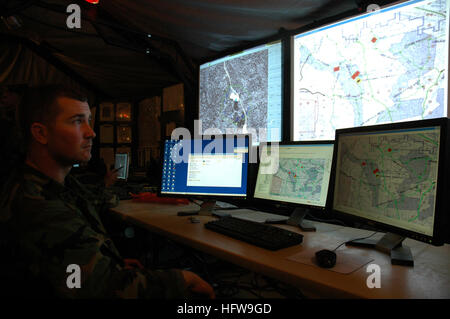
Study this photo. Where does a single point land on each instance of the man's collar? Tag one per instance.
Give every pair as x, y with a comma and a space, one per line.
42, 179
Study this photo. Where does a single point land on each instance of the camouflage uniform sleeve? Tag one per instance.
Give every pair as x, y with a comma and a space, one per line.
54, 237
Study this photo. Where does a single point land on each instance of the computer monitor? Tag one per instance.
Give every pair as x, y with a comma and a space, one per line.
395, 177
210, 168
242, 93
384, 66
121, 164
296, 174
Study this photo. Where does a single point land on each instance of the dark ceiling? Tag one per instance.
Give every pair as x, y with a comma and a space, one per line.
135, 48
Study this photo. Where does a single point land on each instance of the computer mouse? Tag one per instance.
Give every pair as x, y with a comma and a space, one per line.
326, 258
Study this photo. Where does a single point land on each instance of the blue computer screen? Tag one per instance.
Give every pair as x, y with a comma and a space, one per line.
211, 167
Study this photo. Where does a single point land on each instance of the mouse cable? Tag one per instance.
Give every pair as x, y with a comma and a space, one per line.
348, 241
194, 202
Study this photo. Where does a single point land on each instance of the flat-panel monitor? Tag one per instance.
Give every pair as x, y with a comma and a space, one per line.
296, 174
242, 93
395, 177
121, 164
208, 167
385, 66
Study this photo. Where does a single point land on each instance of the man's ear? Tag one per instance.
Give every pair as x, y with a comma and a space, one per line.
39, 132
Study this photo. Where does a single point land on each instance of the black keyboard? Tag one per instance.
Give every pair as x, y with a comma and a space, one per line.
261, 235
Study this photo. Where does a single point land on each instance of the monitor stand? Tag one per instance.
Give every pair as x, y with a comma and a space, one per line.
297, 218
390, 244
206, 209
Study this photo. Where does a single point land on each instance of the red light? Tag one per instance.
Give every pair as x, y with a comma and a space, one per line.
92, 1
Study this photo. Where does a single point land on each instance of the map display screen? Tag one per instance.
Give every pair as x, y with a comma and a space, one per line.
298, 174
389, 177
386, 66
242, 93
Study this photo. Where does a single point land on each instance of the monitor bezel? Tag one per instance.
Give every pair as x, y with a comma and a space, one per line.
207, 196
285, 204
441, 206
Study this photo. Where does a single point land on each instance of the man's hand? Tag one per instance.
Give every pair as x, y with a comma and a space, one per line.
197, 285
110, 176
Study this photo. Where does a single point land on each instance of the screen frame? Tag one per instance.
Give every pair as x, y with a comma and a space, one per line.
290, 205
207, 196
441, 222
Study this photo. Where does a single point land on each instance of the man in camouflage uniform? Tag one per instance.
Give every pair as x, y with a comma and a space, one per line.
49, 220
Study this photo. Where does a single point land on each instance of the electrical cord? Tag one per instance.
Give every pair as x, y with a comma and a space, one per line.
348, 241
194, 202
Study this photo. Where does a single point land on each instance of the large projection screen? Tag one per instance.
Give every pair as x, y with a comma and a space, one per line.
386, 66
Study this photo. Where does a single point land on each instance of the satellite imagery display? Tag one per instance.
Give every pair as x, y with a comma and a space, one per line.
241, 93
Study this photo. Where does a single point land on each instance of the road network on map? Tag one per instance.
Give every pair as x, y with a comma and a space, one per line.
388, 67
300, 179
234, 93
393, 176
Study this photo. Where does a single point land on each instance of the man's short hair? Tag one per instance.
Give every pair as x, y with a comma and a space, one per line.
39, 105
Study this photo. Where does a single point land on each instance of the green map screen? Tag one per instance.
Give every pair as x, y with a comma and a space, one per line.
389, 177
295, 173
386, 66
